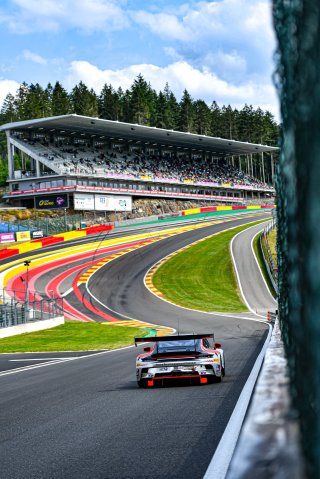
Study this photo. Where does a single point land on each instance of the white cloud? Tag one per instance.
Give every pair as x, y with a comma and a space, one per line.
180, 75
34, 57
163, 24
53, 15
237, 28
7, 86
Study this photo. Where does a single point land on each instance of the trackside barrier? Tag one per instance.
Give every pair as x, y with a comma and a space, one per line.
49, 240
73, 235
224, 208
6, 253
267, 265
16, 310
208, 209
272, 316
98, 229
25, 247
192, 211
269, 442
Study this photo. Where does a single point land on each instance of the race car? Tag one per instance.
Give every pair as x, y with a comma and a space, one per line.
191, 357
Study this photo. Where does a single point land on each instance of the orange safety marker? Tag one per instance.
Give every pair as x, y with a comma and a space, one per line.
269, 316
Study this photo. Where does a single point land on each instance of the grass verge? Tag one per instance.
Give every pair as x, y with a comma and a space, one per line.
72, 336
202, 277
272, 241
258, 253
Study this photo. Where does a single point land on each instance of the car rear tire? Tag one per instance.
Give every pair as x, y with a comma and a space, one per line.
142, 383
217, 379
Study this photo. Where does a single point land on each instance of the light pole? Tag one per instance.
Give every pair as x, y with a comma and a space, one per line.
27, 264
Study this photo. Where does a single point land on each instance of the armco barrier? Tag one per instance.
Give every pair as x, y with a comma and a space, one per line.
192, 211
224, 208
25, 247
98, 229
72, 235
208, 209
49, 240
6, 253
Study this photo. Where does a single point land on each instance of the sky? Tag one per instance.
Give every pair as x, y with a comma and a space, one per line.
218, 50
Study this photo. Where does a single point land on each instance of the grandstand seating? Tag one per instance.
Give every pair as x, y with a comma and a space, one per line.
75, 156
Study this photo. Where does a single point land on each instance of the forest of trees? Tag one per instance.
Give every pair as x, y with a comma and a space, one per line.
143, 105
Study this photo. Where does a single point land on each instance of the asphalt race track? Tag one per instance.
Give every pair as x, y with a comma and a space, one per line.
82, 416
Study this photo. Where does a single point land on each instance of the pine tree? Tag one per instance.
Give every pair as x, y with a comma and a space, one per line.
48, 99
215, 123
140, 104
8, 109
84, 101
125, 105
187, 113
21, 100
108, 103
60, 103
228, 123
246, 123
37, 102
161, 109
202, 117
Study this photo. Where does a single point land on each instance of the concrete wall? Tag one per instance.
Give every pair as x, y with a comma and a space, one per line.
31, 327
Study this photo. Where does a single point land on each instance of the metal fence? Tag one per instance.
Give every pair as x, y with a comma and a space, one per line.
298, 34
271, 266
56, 225
51, 226
15, 309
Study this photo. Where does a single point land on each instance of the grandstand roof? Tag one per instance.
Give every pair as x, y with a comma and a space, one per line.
138, 133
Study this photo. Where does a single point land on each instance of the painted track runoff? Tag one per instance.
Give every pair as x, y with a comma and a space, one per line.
86, 418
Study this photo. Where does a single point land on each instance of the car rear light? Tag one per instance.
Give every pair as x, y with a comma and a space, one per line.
203, 380
150, 383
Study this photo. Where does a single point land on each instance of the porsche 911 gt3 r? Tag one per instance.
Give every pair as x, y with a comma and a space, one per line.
188, 356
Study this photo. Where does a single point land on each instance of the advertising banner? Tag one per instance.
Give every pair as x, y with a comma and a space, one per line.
122, 203
7, 237
103, 203
23, 236
83, 201
113, 203
37, 234
51, 202
92, 202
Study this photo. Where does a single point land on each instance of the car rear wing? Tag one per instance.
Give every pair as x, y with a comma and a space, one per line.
155, 339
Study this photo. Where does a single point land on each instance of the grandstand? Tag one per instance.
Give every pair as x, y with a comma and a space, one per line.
94, 164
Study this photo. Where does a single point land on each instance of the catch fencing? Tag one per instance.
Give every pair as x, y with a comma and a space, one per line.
49, 226
271, 266
15, 309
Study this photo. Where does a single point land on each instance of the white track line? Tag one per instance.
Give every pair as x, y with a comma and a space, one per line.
219, 464
51, 363
264, 280
39, 359
237, 272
